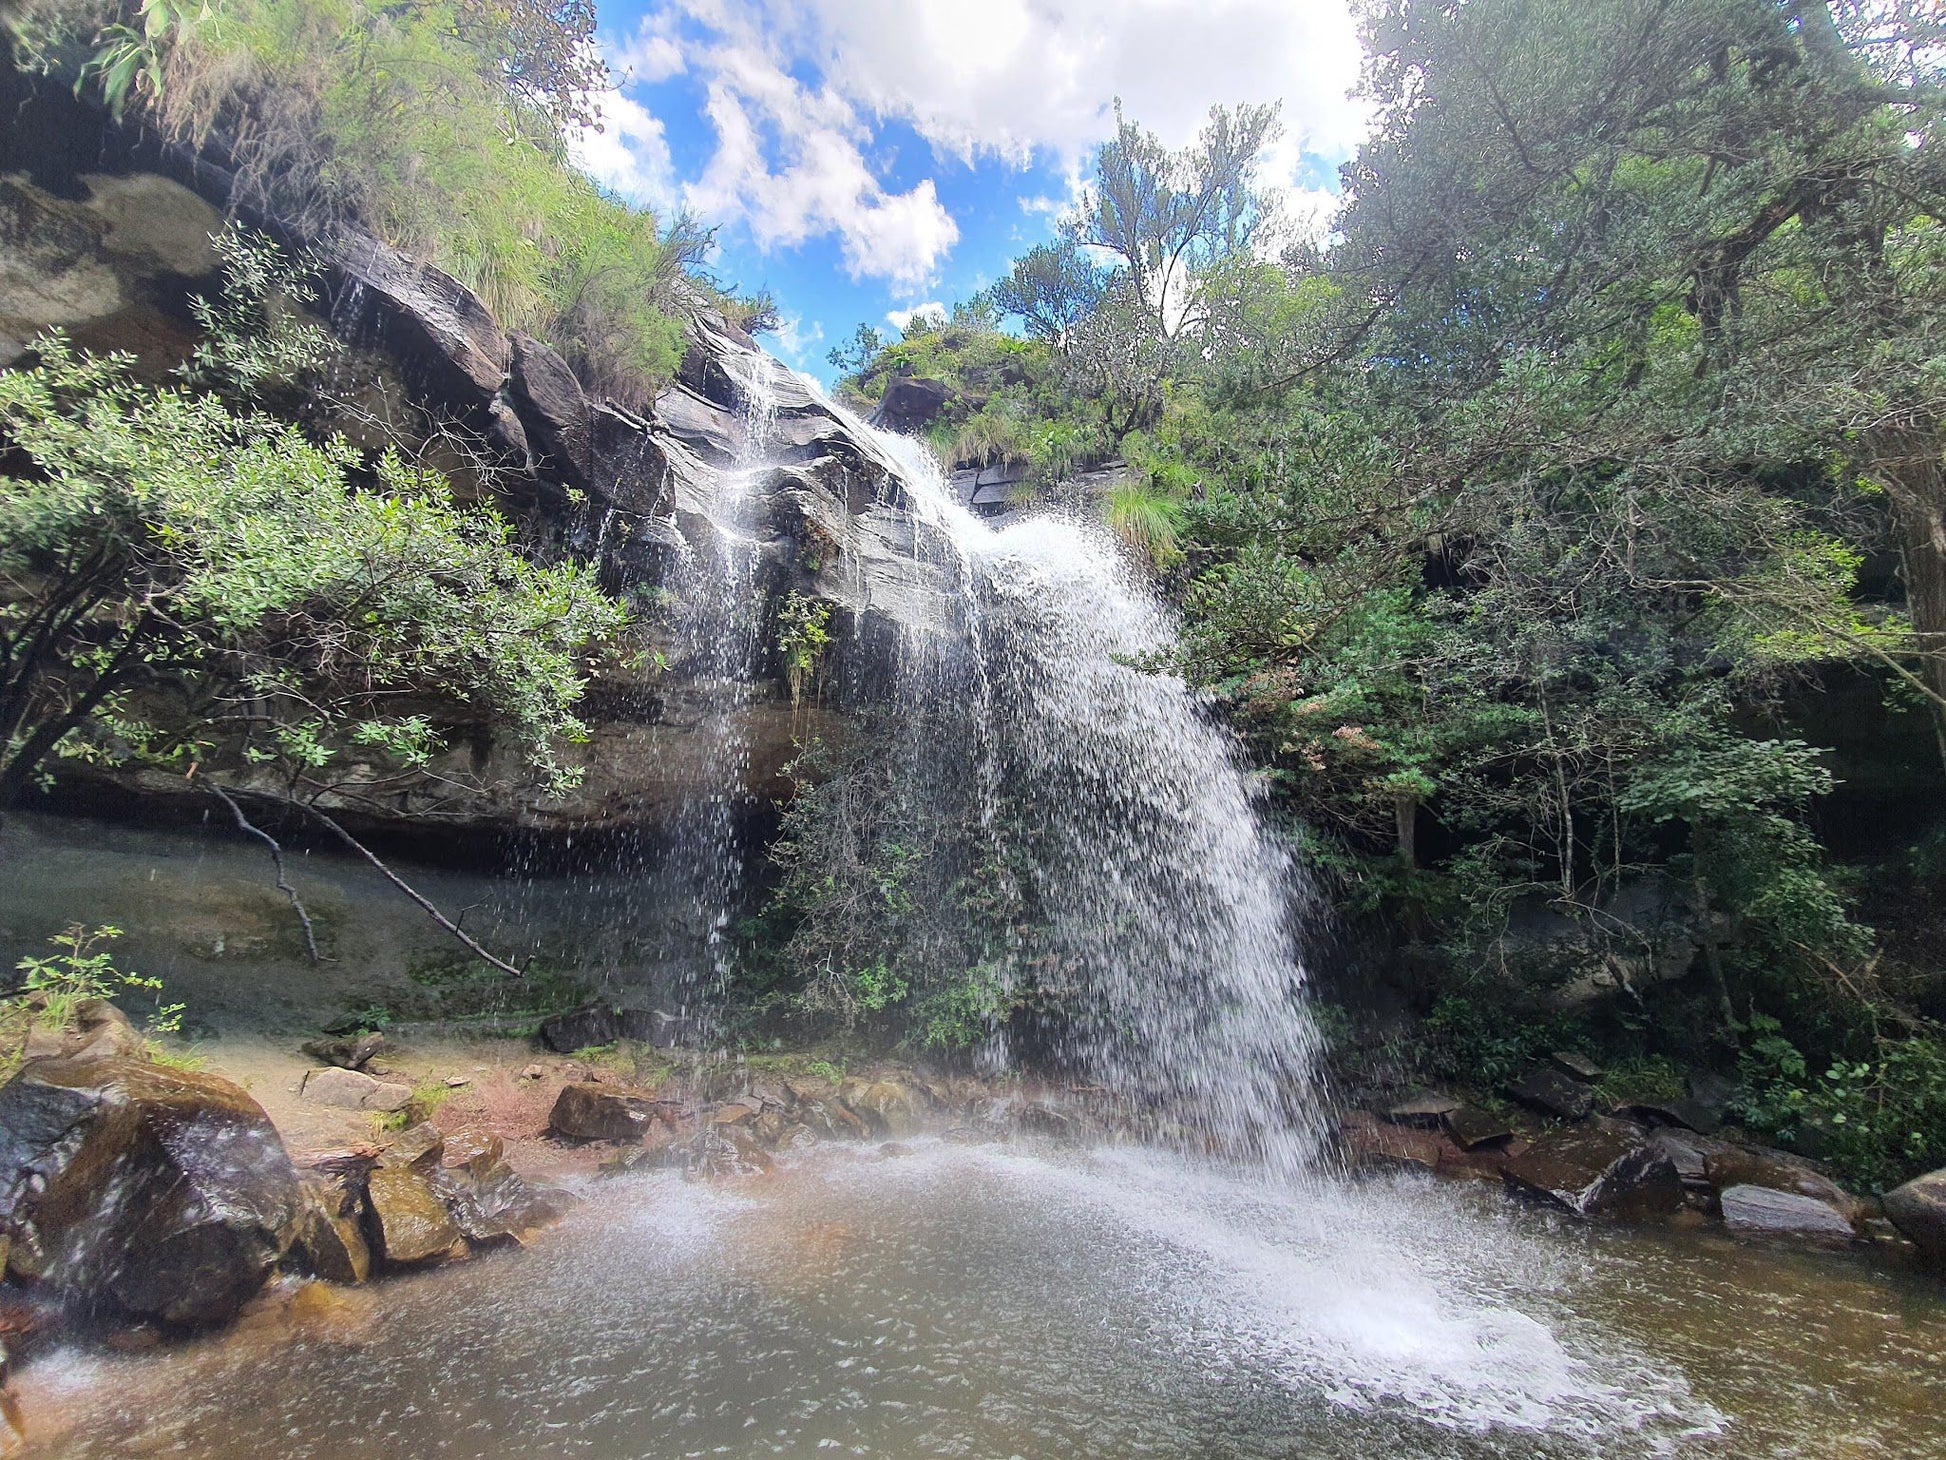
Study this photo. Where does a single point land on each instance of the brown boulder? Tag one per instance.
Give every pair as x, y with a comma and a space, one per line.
1726, 1165
487, 1200
1549, 1091
328, 1237
1918, 1210
354, 1090
1595, 1172
588, 1112
347, 1053
164, 1192
409, 1217
1763, 1209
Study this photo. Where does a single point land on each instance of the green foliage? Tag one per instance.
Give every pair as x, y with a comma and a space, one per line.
177, 576
82, 968
441, 125
888, 917
1481, 1043
803, 636
1877, 1120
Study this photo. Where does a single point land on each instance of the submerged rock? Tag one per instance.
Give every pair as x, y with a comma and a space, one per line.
164, 1193
1595, 1173
1918, 1210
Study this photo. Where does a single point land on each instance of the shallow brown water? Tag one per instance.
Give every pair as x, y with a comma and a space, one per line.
988, 1302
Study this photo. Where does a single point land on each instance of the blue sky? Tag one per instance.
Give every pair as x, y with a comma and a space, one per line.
863, 158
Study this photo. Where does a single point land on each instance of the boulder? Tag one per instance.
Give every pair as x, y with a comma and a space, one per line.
1383, 1146
595, 1025
98, 1031
354, 1090
348, 1052
164, 1192
1726, 1165
419, 1146
1551, 1092
329, 1240
1686, 1113
1576, 1066
1790, 1213
1471, 1127
589, 1112
913, 402
1422, 1110
1595, 1173
890, 1107
409, 1217
1918, 1210
487, 1200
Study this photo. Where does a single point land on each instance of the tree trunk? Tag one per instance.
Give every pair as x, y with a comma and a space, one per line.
1909, 465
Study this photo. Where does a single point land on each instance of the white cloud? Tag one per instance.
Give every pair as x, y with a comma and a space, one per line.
630, 153
793, 341
899, 319
796, 89
1016, 77
649, 56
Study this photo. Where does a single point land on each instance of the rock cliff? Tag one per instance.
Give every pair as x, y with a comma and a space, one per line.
107, 237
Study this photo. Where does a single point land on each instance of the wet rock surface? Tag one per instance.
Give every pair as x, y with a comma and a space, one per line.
591, 1112
1553, 1092
161, 1193
1596, 1172
1918, 1210
1763, 1209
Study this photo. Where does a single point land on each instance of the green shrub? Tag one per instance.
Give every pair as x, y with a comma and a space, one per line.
1878, 1121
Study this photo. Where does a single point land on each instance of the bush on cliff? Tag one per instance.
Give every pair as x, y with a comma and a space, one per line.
443, 126
182, 580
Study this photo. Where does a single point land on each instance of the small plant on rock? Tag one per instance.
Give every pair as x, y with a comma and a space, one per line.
80, 969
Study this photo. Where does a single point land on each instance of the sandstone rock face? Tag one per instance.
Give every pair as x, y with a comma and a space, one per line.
161, 1193
1595, 1172
1918, 1210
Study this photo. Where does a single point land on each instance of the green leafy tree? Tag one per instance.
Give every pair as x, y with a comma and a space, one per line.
181, 581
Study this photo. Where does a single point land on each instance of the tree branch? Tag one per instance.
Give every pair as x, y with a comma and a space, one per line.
399, 882
276, 856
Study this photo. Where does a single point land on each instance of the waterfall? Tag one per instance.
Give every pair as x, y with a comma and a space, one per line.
720, 651
1168, 903
1094, 789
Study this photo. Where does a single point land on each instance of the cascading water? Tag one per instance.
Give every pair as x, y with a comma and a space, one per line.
720, 650
1166, 905
1096, 796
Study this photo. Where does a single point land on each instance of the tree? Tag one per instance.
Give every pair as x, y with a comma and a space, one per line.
1753, 186
1051, 288
1168, 216
856, 353
181, 581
